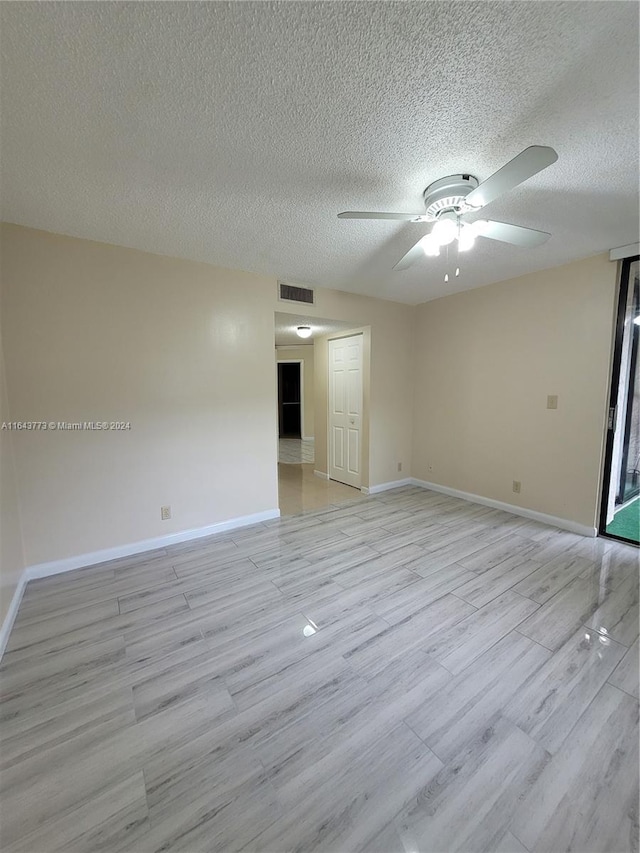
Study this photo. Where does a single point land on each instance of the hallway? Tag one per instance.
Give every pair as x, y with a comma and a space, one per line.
300, 490
293, 451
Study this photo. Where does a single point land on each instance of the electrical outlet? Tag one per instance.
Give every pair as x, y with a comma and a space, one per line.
165, 513
517, 485
552, 401
399, 466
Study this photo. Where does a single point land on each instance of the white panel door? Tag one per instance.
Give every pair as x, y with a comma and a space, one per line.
345, 410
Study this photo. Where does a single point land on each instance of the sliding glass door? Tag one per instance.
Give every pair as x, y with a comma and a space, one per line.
620, 515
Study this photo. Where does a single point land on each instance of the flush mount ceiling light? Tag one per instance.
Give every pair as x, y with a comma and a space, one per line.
304, 331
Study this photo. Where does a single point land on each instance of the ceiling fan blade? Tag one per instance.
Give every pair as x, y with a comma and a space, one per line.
411, 257
528, 238
367, 214
526, 164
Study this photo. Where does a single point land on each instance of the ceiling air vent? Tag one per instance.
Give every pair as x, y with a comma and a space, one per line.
295, 293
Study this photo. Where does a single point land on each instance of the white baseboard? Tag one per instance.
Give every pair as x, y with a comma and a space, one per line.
12, 612
308, 438
555, 521
393, 484
321, 474
68, 564
44, 570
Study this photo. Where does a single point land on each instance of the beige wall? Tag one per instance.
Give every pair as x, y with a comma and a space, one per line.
11, 548
304, 354
94, 332
485, 362
389, 326
182, 351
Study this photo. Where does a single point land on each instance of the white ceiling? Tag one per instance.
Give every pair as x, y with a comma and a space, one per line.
286, 325
235, 132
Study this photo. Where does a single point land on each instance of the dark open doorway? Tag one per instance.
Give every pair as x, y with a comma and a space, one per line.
289, 400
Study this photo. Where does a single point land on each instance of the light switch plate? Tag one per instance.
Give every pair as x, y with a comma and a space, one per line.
552, 401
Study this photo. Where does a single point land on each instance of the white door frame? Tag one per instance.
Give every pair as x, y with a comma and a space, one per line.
299, 361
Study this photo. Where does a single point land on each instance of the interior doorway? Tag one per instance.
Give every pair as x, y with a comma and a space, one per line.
290, 396
302, 379
620, 510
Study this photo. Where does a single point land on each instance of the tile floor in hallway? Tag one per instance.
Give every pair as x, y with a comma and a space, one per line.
408, 672
300, 490
292, 451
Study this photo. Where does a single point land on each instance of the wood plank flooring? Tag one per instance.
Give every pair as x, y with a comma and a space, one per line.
401, 673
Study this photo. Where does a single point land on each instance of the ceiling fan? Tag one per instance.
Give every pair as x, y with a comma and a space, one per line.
451, 202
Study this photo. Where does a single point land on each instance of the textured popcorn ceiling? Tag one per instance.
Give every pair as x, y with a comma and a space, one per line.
235, 132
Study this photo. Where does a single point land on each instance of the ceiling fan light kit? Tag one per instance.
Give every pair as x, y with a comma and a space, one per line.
446, 229
466, 239
450, 201
430, 246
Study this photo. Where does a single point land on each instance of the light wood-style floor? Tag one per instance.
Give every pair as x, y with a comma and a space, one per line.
408, 672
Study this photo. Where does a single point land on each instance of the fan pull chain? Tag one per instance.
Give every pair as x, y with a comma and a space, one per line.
446, 275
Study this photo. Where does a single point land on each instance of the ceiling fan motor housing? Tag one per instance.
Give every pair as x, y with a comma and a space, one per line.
448, 194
